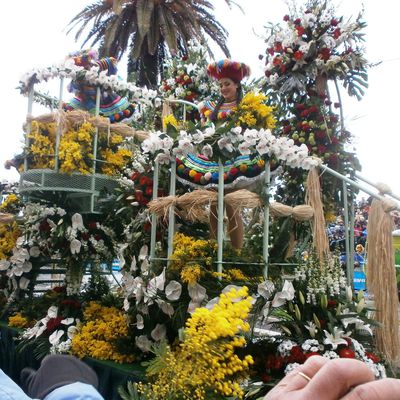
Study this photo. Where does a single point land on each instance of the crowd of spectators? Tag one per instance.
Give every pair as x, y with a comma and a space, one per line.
336, 229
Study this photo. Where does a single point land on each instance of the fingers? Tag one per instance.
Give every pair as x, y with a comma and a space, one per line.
336, 378
386, 389
295, 380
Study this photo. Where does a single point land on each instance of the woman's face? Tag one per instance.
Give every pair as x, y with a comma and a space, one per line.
228, 89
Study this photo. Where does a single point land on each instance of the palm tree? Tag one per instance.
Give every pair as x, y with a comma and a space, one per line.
149, 29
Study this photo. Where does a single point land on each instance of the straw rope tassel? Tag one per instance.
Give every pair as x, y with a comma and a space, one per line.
381, 278
313, 199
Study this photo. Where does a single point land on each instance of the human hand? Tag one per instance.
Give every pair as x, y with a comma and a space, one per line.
341, 379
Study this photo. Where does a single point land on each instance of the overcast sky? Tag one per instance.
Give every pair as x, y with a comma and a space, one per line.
33, 34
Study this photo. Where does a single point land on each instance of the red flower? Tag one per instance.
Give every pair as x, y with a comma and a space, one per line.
297, 21
334, 22
148, 191
44, 226
297, 355
336, 33
147, 226
143, 180
299, 106
135, 175
53, 323
320, 134
139, 196
287, 129
332, 303
298, 55
277, 61
347, 353
92, 225
300, 30
278, 46
305, 113
286, 18
270, 51
372, 357
85, 236
325, 53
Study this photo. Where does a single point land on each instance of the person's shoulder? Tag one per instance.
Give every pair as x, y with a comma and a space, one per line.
75, 391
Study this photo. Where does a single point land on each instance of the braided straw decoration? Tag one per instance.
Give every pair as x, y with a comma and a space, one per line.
243, 198
313, 198
78, 117
381, 278
191, 205
160, 207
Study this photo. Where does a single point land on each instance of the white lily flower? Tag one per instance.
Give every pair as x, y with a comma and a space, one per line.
55, 337
159, 332
312, 328
52, 312
68, 321
72, 331
165, 307
139, 321
266, 289
23, 283
77, 222
143, 252
143, 343
173, 290
75, 246
336, 338
197, 292
286, 294
34, 251
4, 264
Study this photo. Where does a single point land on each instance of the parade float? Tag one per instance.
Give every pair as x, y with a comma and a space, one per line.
187, 316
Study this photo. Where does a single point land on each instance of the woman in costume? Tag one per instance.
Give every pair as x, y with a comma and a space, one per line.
200, 172
112, 106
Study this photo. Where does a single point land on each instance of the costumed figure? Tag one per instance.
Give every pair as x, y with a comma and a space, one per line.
112, 106
200, 172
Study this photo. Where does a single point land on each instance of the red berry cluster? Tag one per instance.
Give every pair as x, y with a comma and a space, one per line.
313, 124
143, 189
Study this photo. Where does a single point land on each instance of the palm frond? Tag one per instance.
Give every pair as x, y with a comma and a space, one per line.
144, 11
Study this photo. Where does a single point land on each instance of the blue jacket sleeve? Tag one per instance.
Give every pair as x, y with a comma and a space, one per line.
9, 390
75, 391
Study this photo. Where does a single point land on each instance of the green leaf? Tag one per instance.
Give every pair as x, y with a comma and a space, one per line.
144, 11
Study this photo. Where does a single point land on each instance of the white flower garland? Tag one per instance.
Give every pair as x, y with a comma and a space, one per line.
92, 76
236, 141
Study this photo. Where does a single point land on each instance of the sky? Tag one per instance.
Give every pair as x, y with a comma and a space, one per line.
34, 34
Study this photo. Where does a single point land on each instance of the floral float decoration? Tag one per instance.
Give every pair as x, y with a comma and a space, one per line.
316, 45
185, 76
